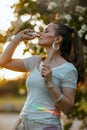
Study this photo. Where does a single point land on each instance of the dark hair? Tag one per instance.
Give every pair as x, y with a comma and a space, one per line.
71, 48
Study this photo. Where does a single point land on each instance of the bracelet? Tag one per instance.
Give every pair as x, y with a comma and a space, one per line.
60, 98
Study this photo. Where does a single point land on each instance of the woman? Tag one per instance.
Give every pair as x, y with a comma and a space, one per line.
53, 80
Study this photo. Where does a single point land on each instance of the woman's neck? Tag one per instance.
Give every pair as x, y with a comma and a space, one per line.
51, 55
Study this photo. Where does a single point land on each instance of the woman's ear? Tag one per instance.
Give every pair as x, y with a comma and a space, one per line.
59, 39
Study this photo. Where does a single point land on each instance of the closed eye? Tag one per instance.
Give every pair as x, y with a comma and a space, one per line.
46, 31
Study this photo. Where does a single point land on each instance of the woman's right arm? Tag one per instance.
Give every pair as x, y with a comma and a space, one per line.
6, 59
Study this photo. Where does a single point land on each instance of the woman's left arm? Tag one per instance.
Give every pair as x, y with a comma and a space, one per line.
64, 99
68, 100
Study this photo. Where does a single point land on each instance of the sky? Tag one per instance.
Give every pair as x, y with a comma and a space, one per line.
6, 15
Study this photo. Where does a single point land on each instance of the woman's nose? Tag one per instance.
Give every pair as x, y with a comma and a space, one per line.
41, 33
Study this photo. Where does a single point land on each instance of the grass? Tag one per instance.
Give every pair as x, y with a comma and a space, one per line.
13, 104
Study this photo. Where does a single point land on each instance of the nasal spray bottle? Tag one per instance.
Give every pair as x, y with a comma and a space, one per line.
33, 34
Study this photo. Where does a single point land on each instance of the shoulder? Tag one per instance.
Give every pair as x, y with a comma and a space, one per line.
70, 67
65, 69
69, 76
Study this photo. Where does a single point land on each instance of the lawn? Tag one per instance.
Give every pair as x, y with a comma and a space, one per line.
11, 104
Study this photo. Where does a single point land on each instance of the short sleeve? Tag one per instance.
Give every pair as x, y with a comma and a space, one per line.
70, 79
30, 62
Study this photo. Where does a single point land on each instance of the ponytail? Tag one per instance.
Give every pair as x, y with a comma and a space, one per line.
76, 55
71, 49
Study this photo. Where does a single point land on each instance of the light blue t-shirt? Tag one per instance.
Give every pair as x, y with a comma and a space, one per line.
39, 105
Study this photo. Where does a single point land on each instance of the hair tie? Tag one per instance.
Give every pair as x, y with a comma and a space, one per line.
72, 35
72, 31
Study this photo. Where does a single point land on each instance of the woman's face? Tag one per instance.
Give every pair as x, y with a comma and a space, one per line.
47, 37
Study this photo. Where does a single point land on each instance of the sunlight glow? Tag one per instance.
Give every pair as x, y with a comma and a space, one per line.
8, 74
6, 16
6, 13
19, 50
24, 18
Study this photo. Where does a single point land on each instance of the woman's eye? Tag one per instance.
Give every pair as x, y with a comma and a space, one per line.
46, 30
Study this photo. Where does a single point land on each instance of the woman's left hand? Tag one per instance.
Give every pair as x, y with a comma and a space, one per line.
46, 72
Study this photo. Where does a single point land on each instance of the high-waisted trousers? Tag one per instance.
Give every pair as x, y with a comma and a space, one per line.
27, 124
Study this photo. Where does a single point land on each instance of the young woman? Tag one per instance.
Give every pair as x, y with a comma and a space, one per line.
53, 80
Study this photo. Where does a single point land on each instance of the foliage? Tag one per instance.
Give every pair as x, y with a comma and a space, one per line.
11, 103
79, 110
37, 13
14, 87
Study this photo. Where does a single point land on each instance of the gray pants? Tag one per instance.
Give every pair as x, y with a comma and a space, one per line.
26, 124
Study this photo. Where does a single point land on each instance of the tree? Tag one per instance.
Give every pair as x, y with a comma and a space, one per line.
37, 13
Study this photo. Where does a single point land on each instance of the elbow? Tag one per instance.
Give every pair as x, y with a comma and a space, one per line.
69, 105
68, 109
3, 62
65, 108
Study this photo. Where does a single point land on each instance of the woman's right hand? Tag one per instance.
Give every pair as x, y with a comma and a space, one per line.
23, 35
6, 59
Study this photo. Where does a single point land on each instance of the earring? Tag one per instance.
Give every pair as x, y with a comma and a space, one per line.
53, 46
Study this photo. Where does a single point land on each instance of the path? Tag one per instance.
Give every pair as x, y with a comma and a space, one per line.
7, 121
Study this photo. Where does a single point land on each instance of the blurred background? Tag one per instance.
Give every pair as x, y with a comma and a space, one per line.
16, 15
